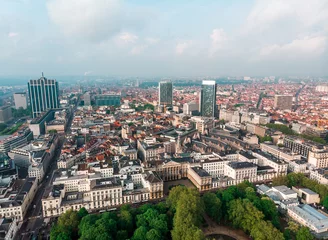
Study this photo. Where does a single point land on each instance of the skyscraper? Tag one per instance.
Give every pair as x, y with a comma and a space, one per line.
20, 99
165, 93
207, 100
283, 102
43, 94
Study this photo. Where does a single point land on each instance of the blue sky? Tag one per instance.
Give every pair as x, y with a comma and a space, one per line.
164, 38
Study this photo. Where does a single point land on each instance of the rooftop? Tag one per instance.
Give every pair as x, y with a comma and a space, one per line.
239, 165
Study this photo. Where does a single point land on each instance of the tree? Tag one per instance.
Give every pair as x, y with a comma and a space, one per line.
188, 216
212, 206
153, 234
86, 223
304, 234
52, 131
280, 180
70, 222
325, 202
82, 213
293, 226
3, 126
140, 233
265, 230
122, 234
125, 221
174, 195
63, 236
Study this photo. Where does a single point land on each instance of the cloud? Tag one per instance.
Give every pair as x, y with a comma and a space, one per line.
306, 47
218, 38
152, 40
127, 37
182, 46
13, 34
138, 49
265, 14
87, 19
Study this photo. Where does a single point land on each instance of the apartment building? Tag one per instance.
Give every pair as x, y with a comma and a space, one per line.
22, 137
319, 175
318, 158
301, 146
266, 159
241, 171
149, 151
16, 198
280, 152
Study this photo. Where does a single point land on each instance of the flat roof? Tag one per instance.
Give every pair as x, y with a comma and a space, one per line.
238, 165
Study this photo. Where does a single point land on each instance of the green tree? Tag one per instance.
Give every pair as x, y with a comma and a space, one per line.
325, 202
213, 206
82, 213
63, 236
304, 234
188, 216
70, 221
122, 234
86, 223
280, 180
3, 126
140, 233
265, 231
174, 195
153, 234
125, 221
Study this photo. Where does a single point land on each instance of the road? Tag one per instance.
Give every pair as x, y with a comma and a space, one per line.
33, 220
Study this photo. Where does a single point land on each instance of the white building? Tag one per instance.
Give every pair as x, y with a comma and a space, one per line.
20, 100
188, 108
311, 218
318, 158
319, 175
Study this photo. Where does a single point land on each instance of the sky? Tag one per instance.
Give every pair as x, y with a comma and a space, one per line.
164, 38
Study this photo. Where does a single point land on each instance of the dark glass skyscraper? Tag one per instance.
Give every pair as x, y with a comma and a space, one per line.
207, 100
165, 93
108, 100
43, 94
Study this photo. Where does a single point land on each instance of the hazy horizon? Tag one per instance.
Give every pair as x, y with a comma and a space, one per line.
156, 38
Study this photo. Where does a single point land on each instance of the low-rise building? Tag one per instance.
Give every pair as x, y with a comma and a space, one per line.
311, 218
307, 196
200, 178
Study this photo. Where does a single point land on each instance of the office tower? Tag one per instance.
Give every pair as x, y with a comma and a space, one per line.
5, 114
165, 93
190, 108
108, 100
43, 94
283, 102
207, 100
87, 99
20, 100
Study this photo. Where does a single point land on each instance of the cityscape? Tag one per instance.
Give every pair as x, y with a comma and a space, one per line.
164, 144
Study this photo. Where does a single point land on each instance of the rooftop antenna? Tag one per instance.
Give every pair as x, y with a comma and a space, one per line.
42, 74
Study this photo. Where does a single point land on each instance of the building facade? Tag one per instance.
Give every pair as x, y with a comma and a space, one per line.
108, 100
5, 114
43, 94
207, 100
283, 102
20, 100
165, 93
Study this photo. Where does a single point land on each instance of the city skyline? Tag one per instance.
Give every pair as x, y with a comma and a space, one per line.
143, 38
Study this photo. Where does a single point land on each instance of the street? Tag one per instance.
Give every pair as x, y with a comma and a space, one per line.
33, 220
